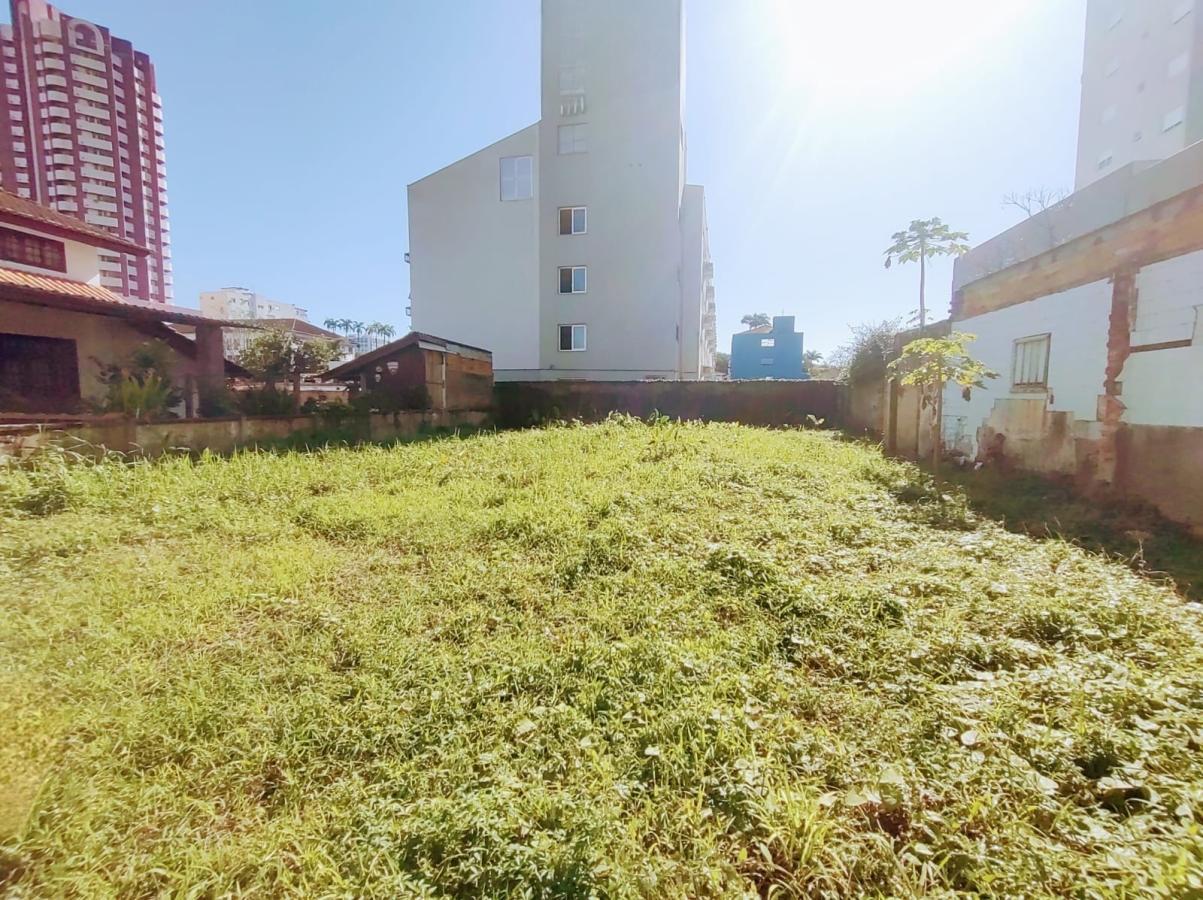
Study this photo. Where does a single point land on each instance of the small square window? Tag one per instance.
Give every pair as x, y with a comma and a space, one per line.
572, 79
574, 220
1178, 65
1181, 11
572, 338
573, 139
1105, 161
768, 342
1174, 118
517, 178
766, 360
1029, 363
574, 280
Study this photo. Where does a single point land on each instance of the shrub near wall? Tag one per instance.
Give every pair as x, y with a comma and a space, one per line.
764, 403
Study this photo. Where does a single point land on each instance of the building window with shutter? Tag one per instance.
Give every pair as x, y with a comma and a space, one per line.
1029, 363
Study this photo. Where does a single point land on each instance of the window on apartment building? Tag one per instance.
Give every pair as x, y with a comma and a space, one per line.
1116, 18
574, 139
768, 342
1181, 11
1112, 68
572, 338
1174, 118
766, 360
1109, 114
572, 79
1178, 65
32, 250
1029, 363
574, 220
517, 178
1105, 161
574, 280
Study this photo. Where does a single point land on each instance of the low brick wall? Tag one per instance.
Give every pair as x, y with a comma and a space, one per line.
216, 435
765, 403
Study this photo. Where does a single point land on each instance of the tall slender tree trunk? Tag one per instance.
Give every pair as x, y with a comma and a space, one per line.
922, 289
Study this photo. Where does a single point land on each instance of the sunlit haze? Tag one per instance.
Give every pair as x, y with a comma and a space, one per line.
818, 129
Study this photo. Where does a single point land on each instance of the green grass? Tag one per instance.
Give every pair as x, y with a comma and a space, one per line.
622, 660
1133, 532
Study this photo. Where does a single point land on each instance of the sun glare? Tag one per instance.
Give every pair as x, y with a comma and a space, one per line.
883, 48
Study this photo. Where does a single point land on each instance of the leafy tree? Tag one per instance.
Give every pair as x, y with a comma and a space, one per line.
867, 355
722, 363
932, 363
276, 356
756, 320
925, 239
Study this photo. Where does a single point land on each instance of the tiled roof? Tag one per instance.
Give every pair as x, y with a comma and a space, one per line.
63, 292
47, 284
13, 207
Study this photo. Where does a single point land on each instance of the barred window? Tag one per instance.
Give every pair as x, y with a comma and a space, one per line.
32, 250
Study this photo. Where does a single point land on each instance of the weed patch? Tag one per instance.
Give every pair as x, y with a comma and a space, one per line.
632, 659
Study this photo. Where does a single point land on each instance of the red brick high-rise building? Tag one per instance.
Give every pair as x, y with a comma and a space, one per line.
81, 131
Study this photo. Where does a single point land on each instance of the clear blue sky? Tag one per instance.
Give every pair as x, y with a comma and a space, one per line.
819, 128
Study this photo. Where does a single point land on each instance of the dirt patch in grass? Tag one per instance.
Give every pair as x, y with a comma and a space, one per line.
622, 660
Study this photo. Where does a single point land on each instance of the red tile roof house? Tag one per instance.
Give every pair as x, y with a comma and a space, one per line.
57, 322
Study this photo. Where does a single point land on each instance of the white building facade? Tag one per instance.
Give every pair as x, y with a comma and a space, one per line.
243, 303
1142, 85
574, 248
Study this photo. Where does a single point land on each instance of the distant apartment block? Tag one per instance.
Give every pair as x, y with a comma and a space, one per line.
575, 248
243, 303
81, 131
1142, 84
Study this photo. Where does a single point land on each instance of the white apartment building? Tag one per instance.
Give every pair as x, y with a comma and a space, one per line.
1142, 84
574, 248
242, 303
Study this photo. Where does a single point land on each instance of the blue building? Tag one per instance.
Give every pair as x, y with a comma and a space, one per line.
766, 352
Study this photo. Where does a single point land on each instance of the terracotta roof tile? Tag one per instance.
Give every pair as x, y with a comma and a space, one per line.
48, 284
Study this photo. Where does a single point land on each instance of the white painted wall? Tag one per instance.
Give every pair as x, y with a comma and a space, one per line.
474, 259
630, 55
1078, 321
1165, 387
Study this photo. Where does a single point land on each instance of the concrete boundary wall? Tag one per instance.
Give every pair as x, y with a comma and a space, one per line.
762, 403
217, 435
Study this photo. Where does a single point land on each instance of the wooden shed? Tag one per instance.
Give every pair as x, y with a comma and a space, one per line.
421, 371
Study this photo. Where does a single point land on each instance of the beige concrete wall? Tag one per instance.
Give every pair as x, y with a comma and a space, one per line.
104, 338
474, 259
216, 435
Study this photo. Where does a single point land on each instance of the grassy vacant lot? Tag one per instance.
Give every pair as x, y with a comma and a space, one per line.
624, 660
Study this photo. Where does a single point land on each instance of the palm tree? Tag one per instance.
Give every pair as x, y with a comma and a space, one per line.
331, 324
925, 239
388, 332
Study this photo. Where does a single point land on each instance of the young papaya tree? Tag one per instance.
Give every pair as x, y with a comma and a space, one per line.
932, 364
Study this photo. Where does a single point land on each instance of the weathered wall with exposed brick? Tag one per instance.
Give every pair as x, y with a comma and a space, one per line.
765, 403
